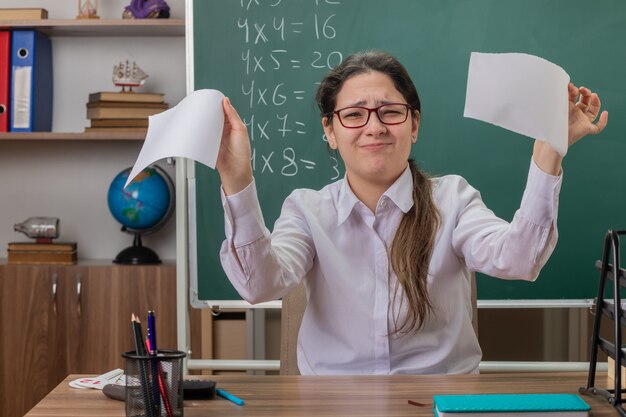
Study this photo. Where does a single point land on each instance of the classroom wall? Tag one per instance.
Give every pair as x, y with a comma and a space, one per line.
70, 180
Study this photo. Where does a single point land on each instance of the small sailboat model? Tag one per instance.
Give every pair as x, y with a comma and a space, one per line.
128, 75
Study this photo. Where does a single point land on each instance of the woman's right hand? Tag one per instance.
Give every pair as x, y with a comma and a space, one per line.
233, 159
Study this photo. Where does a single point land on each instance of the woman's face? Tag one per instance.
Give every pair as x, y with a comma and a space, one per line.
375, 154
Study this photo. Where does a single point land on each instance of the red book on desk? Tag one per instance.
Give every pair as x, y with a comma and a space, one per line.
5, 65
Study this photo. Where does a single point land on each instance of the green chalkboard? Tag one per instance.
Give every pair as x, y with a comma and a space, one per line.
268, 55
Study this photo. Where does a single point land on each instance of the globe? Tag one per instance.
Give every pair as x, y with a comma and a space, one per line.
143, 207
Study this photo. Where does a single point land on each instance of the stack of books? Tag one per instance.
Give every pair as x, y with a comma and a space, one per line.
42, 253
122, 111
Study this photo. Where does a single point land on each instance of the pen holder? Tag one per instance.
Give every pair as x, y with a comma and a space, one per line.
154, 384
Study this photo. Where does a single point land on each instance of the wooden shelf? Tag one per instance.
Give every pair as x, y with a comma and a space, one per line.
72, 136
99, 262
101, 27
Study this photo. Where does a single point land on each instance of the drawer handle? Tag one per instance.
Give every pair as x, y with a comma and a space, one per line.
54, 292
78, 294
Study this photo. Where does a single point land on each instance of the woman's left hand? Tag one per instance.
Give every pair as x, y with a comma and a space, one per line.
584, 108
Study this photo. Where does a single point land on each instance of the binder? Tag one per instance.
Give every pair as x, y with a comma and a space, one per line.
5, 62
31, 82
510, 405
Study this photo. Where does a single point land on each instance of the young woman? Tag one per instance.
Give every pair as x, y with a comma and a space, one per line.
386, 253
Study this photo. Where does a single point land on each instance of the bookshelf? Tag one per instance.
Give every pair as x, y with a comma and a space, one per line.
72, 136
92, 28
66, 173
52, 166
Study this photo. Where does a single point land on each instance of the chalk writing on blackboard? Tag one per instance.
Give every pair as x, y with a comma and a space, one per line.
277, 101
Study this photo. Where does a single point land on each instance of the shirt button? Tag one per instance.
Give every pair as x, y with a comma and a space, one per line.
383, 203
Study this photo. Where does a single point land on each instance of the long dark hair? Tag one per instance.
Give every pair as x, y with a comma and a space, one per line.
414, 240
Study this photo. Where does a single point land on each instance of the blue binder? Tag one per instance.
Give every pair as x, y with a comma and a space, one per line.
509, 405
31, 82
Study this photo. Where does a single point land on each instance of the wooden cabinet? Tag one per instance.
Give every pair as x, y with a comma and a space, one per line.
29, 326
108, 298
76, 319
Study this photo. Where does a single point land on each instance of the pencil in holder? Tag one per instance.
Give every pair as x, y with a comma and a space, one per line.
154, 384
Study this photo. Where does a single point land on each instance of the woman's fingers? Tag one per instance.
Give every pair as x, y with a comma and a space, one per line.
232, 117
572, 92
602, 122
582, 101
586, 116
586, 101
593, 109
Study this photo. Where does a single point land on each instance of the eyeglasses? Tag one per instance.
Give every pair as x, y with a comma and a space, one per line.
388, 114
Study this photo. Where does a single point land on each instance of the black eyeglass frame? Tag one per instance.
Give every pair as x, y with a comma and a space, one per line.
369, 113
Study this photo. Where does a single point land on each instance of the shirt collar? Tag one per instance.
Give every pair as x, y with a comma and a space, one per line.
346, 201
400, 192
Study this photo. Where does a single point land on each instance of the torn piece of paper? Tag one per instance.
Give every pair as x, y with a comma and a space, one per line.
519, 92
192, 129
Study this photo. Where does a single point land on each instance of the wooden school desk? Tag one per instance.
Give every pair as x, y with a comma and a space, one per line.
346, 396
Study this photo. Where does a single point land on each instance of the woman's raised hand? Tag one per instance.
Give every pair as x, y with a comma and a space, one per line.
233, 159
584, 109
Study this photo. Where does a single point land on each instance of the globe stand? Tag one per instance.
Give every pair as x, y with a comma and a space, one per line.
137, 254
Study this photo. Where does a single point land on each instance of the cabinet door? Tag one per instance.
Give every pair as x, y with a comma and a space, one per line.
110, 295
31, 303
66, 329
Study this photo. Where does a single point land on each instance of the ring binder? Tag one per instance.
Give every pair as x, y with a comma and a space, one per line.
31, 82
613, 310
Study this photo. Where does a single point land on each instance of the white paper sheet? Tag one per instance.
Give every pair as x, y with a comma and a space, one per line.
519, 92
192, 129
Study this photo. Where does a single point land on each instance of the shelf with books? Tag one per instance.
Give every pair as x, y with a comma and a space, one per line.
102, 27
93, 28
72, 136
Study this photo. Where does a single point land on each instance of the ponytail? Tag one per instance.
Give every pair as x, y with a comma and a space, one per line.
411, 250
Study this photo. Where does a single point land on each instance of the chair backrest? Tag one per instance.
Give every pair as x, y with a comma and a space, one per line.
291, 317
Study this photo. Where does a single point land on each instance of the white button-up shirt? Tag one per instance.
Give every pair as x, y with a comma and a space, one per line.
340, 249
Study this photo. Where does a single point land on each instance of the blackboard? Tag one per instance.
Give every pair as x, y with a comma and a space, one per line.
268, 55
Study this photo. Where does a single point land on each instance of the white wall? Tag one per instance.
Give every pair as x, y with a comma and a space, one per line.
70, 180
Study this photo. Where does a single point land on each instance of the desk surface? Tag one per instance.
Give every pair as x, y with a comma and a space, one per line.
347, 396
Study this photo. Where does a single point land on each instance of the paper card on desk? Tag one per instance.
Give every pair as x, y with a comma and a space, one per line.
192, 129
115, 376
510, 405
519, 92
